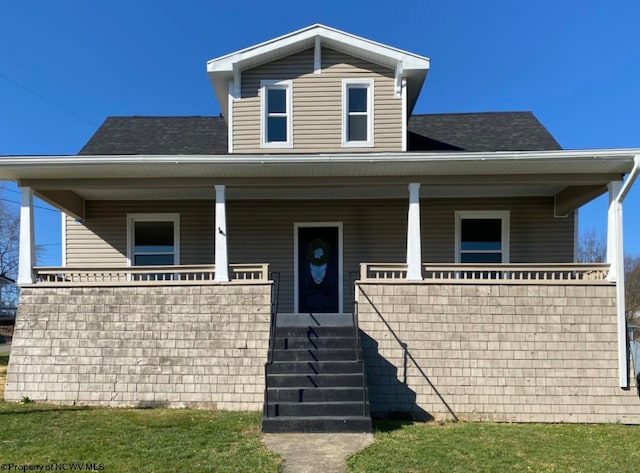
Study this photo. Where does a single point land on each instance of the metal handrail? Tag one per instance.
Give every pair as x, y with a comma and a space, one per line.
275, 298
356, 335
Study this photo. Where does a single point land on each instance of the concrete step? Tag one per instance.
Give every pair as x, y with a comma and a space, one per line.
316, 367
315, 380
337, 354
314, 320
316, 409
312, 343
312, 332
316, 424
334, 394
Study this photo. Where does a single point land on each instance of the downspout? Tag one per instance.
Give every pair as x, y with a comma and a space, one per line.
618, 276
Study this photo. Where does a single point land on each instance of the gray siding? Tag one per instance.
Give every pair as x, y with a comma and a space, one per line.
102, 239
373, 231
536, 235
317, 103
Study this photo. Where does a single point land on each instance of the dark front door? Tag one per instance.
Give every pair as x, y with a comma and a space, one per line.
318, 259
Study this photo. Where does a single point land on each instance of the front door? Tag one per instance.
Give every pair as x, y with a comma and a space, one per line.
318, 269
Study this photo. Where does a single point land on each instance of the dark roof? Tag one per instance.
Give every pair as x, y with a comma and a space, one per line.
488, 131
492, 131
159, 135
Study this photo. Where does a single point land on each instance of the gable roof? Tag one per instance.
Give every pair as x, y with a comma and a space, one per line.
226, 69
493, 131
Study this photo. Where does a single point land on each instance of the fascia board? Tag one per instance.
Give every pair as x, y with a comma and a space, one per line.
627, 154
348, 42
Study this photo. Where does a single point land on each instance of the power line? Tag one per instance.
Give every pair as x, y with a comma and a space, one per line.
35, 206
48, 100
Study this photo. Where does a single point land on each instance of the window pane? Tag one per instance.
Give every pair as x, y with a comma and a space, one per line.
357, 128
154, 234
151, 238
276, 101
276, 129
153, 260
481, 234
480, 246
481, 258
357, 99
481, 229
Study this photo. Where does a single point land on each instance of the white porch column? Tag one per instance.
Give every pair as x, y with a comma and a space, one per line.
414, 251
615, 258
614, 227
222, 262
27, 240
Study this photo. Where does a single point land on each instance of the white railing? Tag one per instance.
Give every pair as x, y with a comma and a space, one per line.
149, 275
533, 273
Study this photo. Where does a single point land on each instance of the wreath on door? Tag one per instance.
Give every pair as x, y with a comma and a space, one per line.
315, 257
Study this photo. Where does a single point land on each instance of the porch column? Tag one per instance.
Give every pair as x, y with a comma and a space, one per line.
414, 252
222, 262
614, 231
615, 258
27, 252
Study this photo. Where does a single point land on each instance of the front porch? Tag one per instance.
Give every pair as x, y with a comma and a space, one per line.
485, 342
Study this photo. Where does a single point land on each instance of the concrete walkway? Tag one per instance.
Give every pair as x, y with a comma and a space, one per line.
311, 453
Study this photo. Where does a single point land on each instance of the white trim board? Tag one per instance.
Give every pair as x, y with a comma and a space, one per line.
337, 225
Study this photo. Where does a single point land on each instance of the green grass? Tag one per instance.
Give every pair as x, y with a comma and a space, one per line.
4, 361
483, 447
143, 440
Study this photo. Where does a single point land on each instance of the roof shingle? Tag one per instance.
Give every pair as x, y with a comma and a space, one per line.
492, 131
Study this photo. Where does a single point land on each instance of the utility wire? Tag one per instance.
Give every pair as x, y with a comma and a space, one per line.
48, 100
35, 206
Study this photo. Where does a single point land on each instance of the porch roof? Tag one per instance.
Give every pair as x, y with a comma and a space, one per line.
573, 176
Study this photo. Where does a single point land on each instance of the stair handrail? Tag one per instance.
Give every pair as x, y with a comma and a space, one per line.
354, 313
353, 275
275, 299
275, 296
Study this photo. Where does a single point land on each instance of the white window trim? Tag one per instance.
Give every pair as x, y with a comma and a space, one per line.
369, 85
503, 215
153, 217
288, 86
296, 289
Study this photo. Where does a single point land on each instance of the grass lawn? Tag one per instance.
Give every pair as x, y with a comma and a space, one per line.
483, 447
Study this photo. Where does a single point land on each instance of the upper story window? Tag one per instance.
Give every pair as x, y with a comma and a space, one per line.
482, 237
357, 112
277, 120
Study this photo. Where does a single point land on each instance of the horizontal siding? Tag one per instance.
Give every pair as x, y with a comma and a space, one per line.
317, 103
264, 231
536, 235
102, 239
373, 231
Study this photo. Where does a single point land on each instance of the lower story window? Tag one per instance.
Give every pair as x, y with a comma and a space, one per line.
482, 237
153, 239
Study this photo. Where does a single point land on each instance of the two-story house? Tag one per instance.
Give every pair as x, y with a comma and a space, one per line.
375, 260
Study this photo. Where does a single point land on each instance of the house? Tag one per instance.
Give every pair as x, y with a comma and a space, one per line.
374, 260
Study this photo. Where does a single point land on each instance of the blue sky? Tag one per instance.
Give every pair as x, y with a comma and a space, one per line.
66, 65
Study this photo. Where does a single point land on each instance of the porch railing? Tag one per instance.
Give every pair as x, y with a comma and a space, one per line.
148, 275
533, 273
